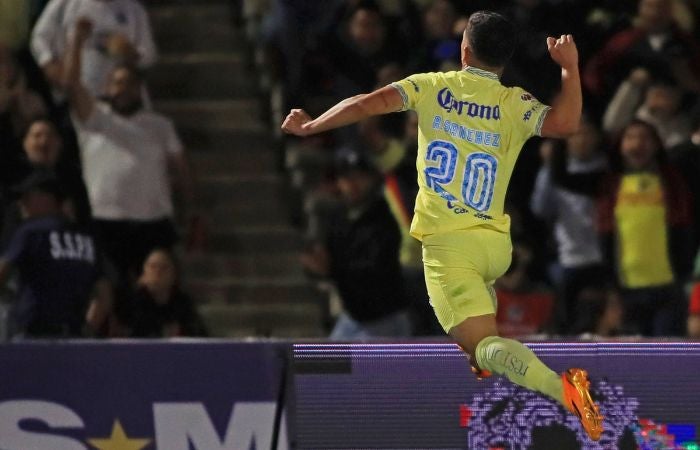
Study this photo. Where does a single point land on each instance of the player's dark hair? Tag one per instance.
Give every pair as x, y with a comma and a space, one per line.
492, 37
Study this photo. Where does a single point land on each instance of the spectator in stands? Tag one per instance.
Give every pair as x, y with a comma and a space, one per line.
524, 307
126, 153
395, 157
439, 48
599, 313
644, 218
360, 254
657, 102
159, 307
359, 47
43, 149
121, 35
533, 19
653, 42
289, 33
15, 23
693, 325
686, 158
18, 106
572, 215
61, 288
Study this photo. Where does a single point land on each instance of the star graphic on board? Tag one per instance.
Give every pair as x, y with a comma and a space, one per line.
119, 440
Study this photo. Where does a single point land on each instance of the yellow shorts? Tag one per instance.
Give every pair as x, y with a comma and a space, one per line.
460, 268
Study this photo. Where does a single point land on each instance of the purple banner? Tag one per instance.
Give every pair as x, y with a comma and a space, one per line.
220, 395
423, 396
201, 395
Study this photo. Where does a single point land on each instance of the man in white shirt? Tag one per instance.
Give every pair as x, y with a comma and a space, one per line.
121, 34
127, 153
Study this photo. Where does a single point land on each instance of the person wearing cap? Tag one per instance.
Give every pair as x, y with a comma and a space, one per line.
360, 254
61, 290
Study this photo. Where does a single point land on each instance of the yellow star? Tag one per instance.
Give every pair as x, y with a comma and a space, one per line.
119, 440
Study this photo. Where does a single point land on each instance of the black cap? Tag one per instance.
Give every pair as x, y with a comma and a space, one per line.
348, 160
40, 180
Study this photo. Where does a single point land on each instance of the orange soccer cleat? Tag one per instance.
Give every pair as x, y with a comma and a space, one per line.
578, 400
480, 373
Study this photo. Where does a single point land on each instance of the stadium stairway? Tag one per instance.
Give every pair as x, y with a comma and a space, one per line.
247, 278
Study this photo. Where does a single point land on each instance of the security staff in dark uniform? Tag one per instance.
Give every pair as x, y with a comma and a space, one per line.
60, 284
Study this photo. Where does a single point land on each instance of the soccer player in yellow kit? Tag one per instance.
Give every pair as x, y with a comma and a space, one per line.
471, 130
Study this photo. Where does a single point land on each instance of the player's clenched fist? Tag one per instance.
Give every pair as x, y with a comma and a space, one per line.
563, 51
294, 123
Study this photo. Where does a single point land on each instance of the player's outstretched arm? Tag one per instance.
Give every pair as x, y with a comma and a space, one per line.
382, 101
564, 117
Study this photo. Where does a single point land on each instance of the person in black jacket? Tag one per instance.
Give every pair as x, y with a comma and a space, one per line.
158, 307
360, 254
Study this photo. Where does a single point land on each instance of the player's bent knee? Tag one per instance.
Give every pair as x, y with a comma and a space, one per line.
472, 330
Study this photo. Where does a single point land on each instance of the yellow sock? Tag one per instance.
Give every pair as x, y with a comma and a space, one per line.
519, 364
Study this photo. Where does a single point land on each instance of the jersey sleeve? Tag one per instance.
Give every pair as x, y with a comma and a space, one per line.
527, 112
413, 88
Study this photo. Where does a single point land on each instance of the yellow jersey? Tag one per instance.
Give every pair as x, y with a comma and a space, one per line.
471, 130
643, 249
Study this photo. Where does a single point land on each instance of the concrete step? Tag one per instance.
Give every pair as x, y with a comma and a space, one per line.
284, 320
250, 264
307, 165
201, 75
194, 27
225, 138
234, 160
267, 213
247, 280
185, 2
231, 201
221, 115
240, 188
259, 240
232, 289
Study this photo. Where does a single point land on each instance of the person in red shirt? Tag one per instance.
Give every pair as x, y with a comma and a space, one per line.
524, 307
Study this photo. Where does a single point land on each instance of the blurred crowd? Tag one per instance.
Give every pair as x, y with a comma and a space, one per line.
88, 173
606, 224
